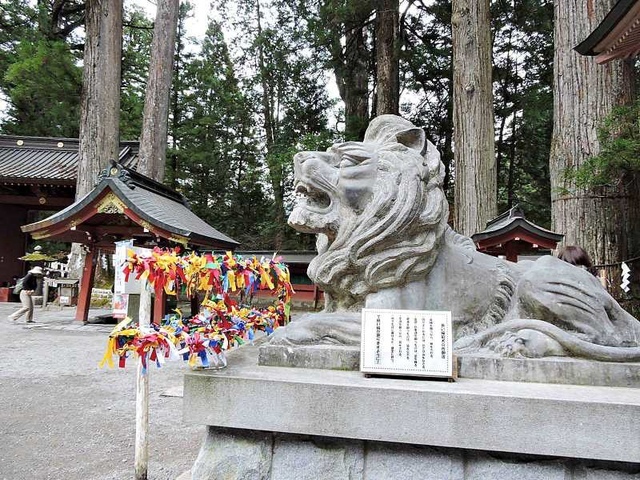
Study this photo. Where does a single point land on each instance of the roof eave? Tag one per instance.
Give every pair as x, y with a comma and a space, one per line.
187, 234
515, 225
588, 46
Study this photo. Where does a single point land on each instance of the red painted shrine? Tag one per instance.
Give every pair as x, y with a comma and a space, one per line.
126, 205
511, 235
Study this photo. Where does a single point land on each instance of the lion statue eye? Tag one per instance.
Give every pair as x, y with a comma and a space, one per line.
346, 162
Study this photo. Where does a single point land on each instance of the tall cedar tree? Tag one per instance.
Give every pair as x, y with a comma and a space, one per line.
387, 45
603, 220
475, 162
153, 141
100, 107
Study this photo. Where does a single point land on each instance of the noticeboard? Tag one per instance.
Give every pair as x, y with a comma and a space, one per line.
407, 343
132, 286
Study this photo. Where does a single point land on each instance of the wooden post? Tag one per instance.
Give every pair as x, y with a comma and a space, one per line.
45, 292
86, 284
158, 307
316, 296
511, 251
142, 394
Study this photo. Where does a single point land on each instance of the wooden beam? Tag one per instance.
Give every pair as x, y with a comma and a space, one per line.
158, 307
512, 251
86, 285
99, 230
35, 201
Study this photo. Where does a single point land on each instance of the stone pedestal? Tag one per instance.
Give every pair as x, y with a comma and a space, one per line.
560, 370
280, 423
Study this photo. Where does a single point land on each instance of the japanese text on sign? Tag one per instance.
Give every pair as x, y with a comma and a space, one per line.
406, 342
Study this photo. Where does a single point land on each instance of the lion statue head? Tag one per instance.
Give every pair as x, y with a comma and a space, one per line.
377, 207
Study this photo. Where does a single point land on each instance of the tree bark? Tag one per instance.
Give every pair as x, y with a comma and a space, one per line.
351, 66
100, 104
474, 144
355, 84
153, 141
100, 108
387, 58
603, 221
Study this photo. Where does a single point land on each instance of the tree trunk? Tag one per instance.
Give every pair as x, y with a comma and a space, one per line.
474, 149
153, 141
351, 66
355, 80
100, 108
387, 58
603, 221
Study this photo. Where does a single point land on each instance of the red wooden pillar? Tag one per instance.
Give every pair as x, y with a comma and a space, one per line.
86, 285
158, 306
316, 296
511, 251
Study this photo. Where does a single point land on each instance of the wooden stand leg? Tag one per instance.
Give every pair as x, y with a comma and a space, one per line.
141, 460
86, 285
158, 307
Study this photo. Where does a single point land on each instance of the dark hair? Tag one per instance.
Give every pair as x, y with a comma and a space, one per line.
576, 256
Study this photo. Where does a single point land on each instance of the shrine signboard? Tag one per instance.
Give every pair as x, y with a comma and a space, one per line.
407, 343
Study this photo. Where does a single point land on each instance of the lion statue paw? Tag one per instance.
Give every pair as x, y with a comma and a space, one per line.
526, 343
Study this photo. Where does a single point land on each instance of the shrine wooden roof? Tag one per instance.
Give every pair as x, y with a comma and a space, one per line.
617, 36
512, 225
125, 204
48, 161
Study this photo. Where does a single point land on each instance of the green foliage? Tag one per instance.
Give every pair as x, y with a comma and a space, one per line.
39, 73
43, 86
523, 104
136, 52
284, 86
426, 73
619, 155
216, 151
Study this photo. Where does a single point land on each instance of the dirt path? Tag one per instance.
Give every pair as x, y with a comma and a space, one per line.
63, 418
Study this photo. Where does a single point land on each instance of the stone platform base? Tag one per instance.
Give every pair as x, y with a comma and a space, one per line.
560, 370
305, 413
326, 357
245, 455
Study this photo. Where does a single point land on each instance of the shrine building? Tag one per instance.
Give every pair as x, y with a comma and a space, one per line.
511, 236
37, 178
126, 205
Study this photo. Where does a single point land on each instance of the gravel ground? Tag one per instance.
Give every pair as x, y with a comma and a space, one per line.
63, 418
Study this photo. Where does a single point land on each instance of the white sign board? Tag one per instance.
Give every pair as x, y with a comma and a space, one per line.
119, 285
406, 342
120, 305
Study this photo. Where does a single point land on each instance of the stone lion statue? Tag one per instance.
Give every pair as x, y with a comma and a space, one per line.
380, 216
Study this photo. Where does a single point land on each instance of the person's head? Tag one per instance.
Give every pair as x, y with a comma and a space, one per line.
37, 271
575, 256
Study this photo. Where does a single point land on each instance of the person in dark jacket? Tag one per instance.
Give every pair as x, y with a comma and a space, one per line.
576, 256
29, 285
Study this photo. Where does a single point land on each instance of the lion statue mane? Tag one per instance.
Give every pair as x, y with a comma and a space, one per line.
369, 239
380, 216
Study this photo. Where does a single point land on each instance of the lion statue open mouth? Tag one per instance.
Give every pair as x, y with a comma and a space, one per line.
380, 214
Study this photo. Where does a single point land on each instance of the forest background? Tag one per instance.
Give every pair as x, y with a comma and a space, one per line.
256, 89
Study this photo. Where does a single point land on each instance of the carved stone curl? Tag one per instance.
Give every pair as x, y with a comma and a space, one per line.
380, 214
